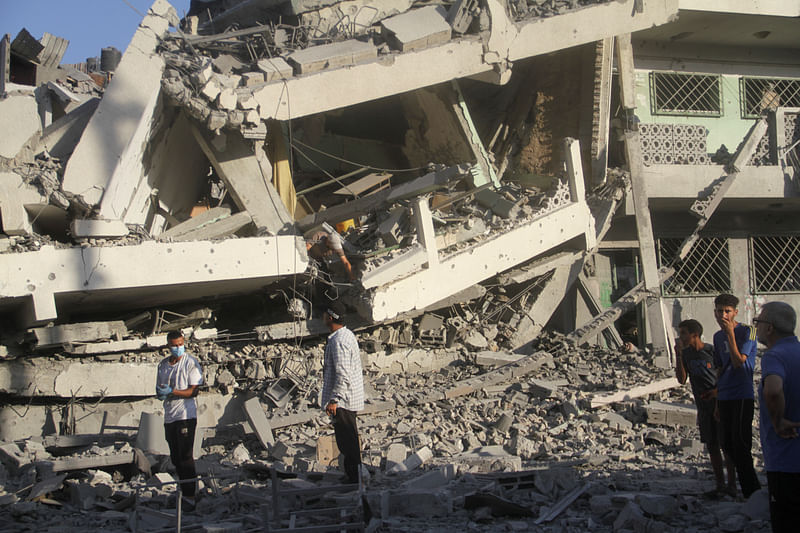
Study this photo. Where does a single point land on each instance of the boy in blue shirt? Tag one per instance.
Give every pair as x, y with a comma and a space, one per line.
735, 358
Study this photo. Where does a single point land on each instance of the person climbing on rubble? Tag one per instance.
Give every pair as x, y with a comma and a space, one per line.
779, 401
179, 377
695, 360
323, 245
735, 358
343, 387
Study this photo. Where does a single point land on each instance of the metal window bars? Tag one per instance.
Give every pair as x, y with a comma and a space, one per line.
705, 270
775, 263
675, 93
758, 95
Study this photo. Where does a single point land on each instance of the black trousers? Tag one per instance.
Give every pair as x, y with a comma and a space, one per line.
736, 419
784, 500
180, 437
346, 430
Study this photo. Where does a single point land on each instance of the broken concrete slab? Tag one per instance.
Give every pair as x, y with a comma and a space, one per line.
49, 274
259, 422
50, 336
456, 58
331, 56
61, 137
206, 217
15, 194
416, 29
109, 153
489, 459
86, 379
636, 392
97, 228
66, 464
19, 121
218, 228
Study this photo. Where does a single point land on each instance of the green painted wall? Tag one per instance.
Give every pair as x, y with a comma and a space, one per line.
729, 129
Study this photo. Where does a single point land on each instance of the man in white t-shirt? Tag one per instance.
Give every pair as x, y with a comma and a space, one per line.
179, 377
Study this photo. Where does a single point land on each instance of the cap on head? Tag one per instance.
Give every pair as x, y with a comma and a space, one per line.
336, 311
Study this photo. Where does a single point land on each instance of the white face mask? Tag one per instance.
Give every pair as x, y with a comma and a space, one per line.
177, 351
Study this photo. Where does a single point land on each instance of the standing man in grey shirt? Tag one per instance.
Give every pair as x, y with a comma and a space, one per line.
343, 387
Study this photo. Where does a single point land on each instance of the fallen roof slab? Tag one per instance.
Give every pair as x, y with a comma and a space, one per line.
457, 58
96, 276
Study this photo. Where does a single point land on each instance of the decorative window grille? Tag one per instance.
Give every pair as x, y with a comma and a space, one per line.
775, 263
706, 270
673, 93
760, 94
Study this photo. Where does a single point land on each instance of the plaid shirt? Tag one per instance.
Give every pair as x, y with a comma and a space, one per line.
341, 370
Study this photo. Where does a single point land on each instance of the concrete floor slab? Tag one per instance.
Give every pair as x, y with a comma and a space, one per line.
19, 120
143, 275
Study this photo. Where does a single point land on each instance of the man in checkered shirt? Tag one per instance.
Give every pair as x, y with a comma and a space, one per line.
343, 388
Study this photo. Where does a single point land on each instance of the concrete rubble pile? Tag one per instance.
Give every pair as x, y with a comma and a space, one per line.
543, 449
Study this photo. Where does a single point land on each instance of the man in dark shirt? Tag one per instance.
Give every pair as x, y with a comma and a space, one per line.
695, 360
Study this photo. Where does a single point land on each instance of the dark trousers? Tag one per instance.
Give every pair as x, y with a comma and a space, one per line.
346, 430
784, 500
180, 437
736, 419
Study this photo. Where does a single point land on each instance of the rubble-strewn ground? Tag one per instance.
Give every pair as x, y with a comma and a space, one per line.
498, 459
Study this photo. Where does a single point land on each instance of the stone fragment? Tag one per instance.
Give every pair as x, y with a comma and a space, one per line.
13, 457
733, 523
417, 459
211, 89
475, 341
227, 99
657, 505
503, 423
240, 454
252, 78
616, 421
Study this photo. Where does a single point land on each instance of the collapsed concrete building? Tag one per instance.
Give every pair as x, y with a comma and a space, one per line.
495, 169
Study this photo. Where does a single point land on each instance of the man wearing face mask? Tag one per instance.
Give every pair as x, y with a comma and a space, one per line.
179, 377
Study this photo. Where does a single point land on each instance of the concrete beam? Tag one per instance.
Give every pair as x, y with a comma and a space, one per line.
15, 194
772, 8
95, 277
235, 161
81, 332
690, 181
457, 58
108, 157
477, 263
61, 137
62, 379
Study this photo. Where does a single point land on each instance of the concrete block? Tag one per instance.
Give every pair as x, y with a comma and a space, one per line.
327, 451
150, 436
226, 99
211, 89
334, 55
253, 78
162, 480
258, 421
503, 424
81, 228
616, 421
489, 358
541, 389
499, 205
275, 68
396, 456
19, 121
670, 414
417, 459
416, 29
390, 229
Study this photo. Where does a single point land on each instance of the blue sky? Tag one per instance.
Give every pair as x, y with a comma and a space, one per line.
89, 25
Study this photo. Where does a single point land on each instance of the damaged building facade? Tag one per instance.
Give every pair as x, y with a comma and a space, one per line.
497, 170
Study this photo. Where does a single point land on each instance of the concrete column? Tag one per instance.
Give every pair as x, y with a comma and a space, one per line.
425, 232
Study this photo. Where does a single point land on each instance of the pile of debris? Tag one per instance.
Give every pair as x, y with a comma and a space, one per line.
577, 439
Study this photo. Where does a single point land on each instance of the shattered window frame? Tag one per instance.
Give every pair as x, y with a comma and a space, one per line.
705, 271
683, 93
774, 263
751, 94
